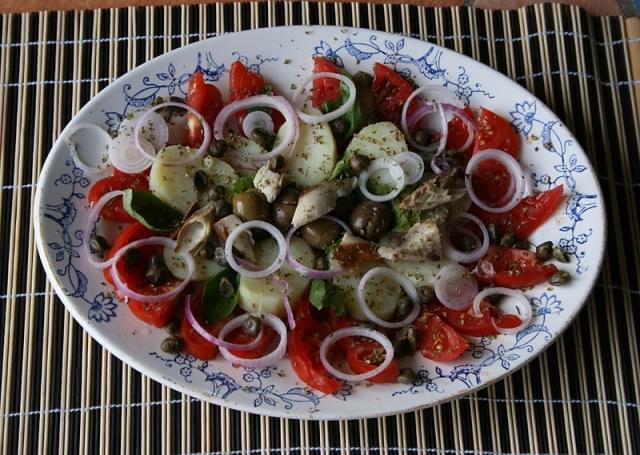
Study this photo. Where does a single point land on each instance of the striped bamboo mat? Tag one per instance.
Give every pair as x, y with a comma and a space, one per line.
60, 392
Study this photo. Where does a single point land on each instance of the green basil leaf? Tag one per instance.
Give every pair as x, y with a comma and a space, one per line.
241, 184
145, 207
216, 307
318, 294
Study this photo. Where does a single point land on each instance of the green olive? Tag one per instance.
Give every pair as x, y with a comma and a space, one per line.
371, 220
251, 205
284, 208
321, 232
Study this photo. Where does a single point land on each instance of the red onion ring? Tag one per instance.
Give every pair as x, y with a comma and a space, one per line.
395, 170
455, 287
255, 224
284, 284
307, 271
476, 254
339, 112
257, 119
94, 171
215, 340
129, 293
125, 156
191, 158
92, 218
523, 306
444, 129
356, 332
267, 360
468, 123
275, 102
406, 285
419, 113
516, 187
412, 164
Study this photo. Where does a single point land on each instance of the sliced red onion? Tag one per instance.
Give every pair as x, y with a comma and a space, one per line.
320, 118
453, 110
149, 113
444, 129
418, 113
154, 129
406, 285
124, 154
275, 102
267, 360
356, 332
252, 273
284, 284
521, 302
257, 120
412, 164
307, 271
95, 171
517, 185
129, 293
204, 333
467, 257
92, 218
455, 287
396, 172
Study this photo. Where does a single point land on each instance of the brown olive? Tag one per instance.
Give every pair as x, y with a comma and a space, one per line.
251, 205
284, 207
371, 220
359, 163
344, 206
321, 232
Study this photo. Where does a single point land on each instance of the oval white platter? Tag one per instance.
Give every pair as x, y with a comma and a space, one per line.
550, 156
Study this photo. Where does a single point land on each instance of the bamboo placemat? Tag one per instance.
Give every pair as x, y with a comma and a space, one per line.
61, 392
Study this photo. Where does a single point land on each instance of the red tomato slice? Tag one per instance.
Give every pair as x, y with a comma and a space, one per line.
437, 339
194, 344
131, 233
119, 181
238, 336
207, 100
362, 356
467, 323
304, 352
458, 133
325, 90
391, 91
525, 217
514, 268
494, 132
157, 314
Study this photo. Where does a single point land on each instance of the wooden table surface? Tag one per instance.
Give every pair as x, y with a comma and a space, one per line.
594, 7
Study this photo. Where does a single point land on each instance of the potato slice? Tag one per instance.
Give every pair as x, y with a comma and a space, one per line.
205, 268
380, 140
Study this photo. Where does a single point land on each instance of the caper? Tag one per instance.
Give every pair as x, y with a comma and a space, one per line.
98, 244
321, 263
172, 344
560, 278
172, 326
493, 234
226, 288
157, 271
339, 126
560, 254
467, 243
405, 341
263, 138
508, 239
359, 163
217, 148
406, 376
251, 326
251, 205
217, 192
321, 232
219, 257
277, 163
208, 250
421, 137
132, 257
523, 244
544, 251
200, 180
427, 294
404, 307
223, 210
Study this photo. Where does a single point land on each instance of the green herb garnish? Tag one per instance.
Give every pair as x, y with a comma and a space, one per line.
149, 210
220, 296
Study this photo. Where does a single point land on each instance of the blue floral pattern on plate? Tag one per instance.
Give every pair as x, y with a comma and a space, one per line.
556, 158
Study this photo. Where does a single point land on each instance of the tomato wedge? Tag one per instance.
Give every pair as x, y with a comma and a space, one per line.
304, 350
437, 339
325, 90
207, 100
494, 132
525, 217
157, 314
131, 233
514, 268
240, 337
119, 181
364, 355
391, 91
467, 323
458, 133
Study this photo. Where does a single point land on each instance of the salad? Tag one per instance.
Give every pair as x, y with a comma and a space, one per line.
350, 228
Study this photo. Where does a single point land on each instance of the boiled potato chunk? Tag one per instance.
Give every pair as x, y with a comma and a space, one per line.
205, 268
174, 184
314, 156
262, 294
380, 140
242, 152
419, 273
